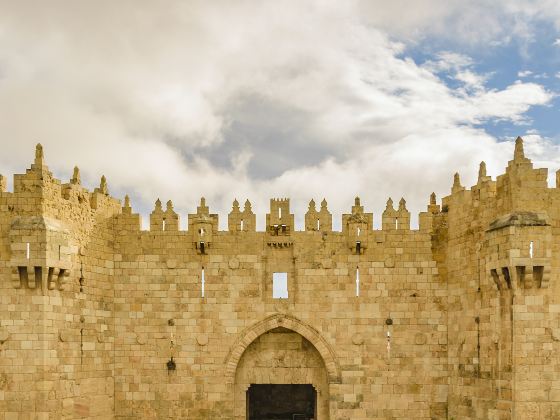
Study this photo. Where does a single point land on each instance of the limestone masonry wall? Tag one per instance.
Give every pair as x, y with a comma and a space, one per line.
457, 319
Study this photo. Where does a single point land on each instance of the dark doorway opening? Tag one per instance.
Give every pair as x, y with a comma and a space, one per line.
281, 402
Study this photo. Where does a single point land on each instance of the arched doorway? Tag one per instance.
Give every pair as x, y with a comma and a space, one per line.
281, 369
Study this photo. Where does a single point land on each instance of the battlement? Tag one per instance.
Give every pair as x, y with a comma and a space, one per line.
39, 187
456, 318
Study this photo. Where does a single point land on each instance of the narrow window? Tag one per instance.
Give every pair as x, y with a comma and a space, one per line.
280, 285
357, 281
201, 231
202, 247
358, 247
531, 250
283, 228
59, 256
318, 225
279, 212
163, 224
358, 231
28, 251
241, 225
396, 223
202, 281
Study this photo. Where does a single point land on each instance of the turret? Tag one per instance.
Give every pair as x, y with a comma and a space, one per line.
356, 226
203, 226
279, 221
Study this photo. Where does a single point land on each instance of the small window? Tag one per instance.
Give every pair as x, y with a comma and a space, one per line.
358, 231
28, 251
318, 225
279, 212
59, 252
396, 223
280, 285
202, 280
531, 248
163, 224
201, 231
357, 281
241, 226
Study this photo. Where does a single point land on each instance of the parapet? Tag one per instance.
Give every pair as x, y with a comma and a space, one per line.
520, 188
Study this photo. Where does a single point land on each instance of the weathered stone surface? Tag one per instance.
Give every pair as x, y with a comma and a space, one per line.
169, 323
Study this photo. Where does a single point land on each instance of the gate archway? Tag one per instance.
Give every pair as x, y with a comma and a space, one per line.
281, 350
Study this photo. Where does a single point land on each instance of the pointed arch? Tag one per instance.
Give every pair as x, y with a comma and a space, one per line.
251, 333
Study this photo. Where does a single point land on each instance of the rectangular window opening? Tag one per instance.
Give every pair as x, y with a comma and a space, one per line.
163, 225
357, 281
241, 225
358, 231
279, 212
358, 247
531, 249
318, 225
280, 285
396, 223
202, 281
28, 250
59, 253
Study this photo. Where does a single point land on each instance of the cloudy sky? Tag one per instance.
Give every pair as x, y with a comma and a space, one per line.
260, 99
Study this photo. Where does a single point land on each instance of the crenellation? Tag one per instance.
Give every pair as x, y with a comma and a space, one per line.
242, 221
318, 220
457, 187
170, 218
458, 319
3, 184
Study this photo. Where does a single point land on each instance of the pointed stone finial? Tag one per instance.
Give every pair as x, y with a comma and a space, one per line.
247, 205
402, 204
202, 209
357, 201
312, 205
127, 201
389, 205
169, 205
158, 205
103, 185
324, 204
519, 154
456, 182
76, 179
482, 170
39, 156
235, 205
433, 199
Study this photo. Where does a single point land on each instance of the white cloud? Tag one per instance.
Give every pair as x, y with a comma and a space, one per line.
185, 101
557, 42
524, 73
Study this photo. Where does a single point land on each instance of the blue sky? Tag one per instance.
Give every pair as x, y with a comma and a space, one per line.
303, 99
529, 60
